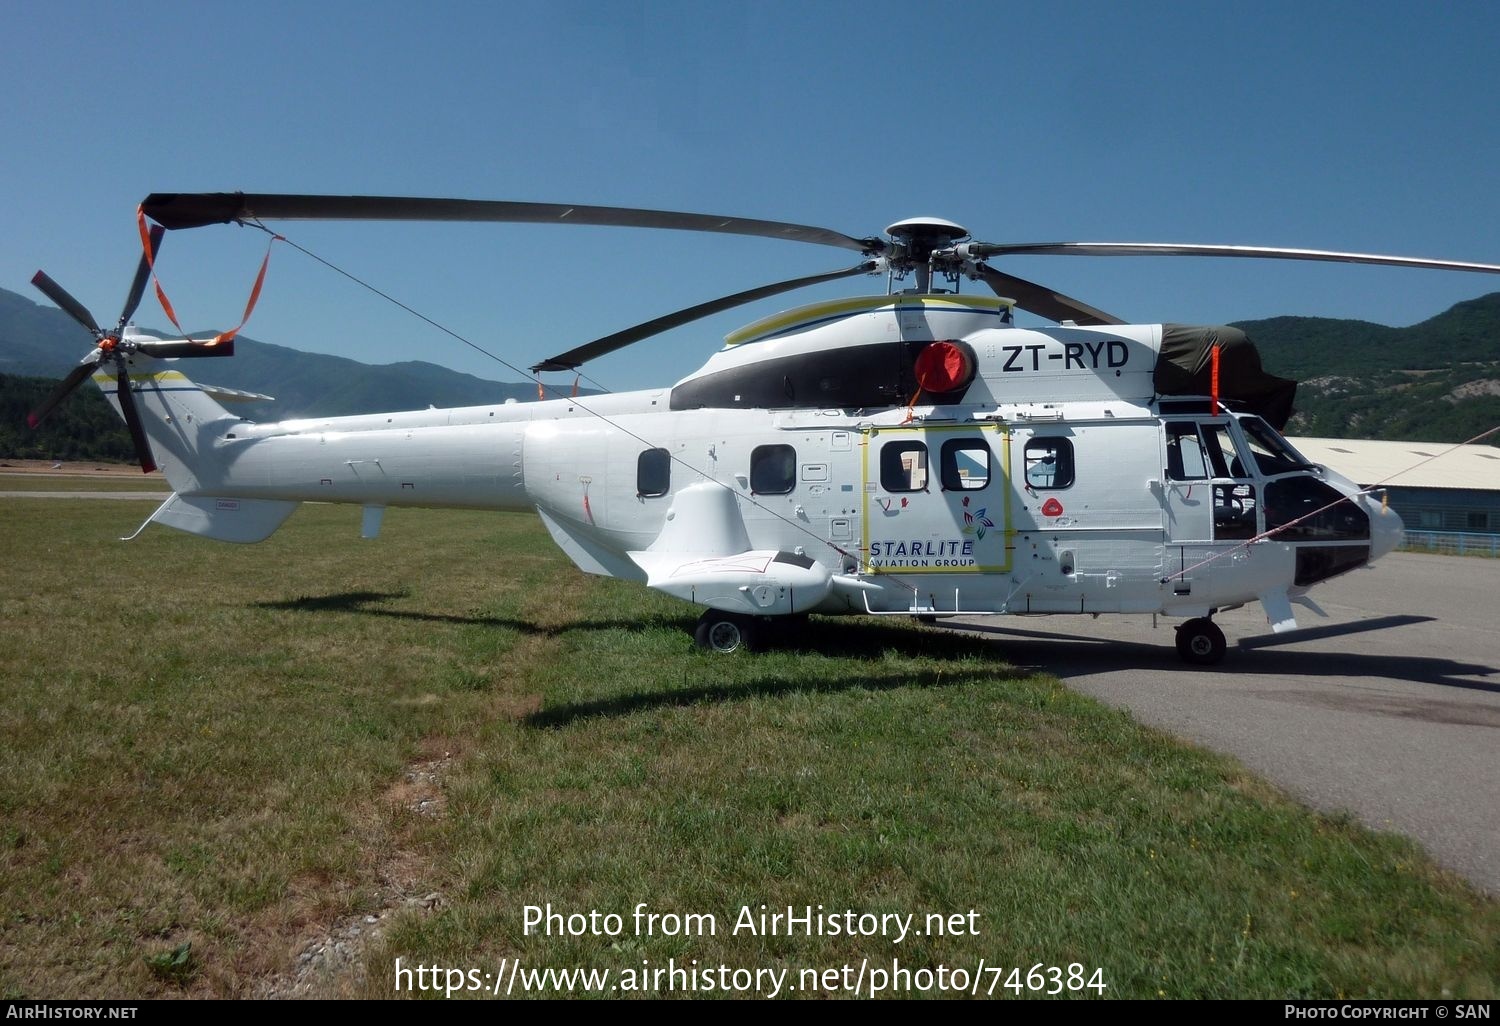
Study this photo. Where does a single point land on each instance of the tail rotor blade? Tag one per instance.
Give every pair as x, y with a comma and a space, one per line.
59, 295
133, 419
72, 381
142, 272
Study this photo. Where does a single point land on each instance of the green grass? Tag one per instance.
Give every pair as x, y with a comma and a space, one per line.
207, 748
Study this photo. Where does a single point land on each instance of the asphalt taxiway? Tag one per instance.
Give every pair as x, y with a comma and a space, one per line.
1388, 709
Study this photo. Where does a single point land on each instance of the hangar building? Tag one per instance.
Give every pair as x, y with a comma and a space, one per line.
1435, 486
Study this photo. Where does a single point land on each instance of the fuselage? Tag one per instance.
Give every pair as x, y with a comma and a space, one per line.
1034, 471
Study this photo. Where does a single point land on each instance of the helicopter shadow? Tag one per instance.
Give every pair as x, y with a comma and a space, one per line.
860, 640
368, 603
971, 648
845, 639
721, 693
1076, 655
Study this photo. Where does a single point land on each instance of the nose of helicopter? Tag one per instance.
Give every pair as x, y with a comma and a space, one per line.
1386, 527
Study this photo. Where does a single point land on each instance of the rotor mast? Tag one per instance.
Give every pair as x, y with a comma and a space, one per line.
922, 244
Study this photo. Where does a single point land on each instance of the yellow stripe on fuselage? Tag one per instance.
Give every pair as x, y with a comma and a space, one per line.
109, 379
781, 322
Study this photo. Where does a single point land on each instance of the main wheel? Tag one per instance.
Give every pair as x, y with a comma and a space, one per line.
1200, 641
722, 632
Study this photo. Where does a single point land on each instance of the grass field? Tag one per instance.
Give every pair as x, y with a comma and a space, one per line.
220, 762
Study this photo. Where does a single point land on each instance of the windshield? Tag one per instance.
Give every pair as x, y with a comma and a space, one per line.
1273, 454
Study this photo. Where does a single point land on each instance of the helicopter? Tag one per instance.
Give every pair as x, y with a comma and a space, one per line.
912, 453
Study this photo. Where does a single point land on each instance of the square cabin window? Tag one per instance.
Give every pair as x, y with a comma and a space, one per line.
1049, 463
903, 467
966, 464
773, 469
653, 473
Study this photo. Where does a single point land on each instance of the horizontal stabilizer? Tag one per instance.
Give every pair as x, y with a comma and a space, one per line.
234, 395
223, 519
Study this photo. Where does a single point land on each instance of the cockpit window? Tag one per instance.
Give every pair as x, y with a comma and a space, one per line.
1222, 455
1186, 460
1273, 454
1196, 452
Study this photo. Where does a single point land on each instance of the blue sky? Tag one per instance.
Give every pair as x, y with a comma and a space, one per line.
1355, 126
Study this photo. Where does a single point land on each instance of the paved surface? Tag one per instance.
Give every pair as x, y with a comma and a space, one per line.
1389, 709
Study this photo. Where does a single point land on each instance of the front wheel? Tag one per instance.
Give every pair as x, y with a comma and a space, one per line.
1200, 641
724, 633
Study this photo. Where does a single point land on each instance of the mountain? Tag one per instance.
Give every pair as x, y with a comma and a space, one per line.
83, 428
42, 341
1437, 381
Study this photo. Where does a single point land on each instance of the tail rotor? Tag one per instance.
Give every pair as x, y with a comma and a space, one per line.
114, 347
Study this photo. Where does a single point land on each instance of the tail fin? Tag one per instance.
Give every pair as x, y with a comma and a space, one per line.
183, 422
180, 419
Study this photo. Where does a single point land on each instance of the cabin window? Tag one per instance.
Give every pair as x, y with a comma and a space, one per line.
653, 473
1049, 463
903, 467
773, 469
966, 464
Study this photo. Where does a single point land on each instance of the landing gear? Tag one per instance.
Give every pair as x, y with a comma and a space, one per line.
1200, 641
722, 632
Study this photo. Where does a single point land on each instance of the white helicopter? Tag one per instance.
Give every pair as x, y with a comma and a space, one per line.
907, 454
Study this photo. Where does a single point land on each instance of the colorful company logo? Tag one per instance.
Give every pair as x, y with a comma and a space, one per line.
976, 523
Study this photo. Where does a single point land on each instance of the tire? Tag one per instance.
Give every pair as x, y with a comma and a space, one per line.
725, 633
1199, 641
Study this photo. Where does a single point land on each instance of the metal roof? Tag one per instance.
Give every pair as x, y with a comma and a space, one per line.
1406, 464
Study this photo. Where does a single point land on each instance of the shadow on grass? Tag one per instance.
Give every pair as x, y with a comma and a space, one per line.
366, 603
714, 694
859, 639
835, 637
865, 637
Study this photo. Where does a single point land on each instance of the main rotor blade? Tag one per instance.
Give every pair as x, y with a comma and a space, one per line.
60, 296
990, 249
1039, 299
166, 350
73, 380
133, 418
142, 272
574, 358
193, 210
